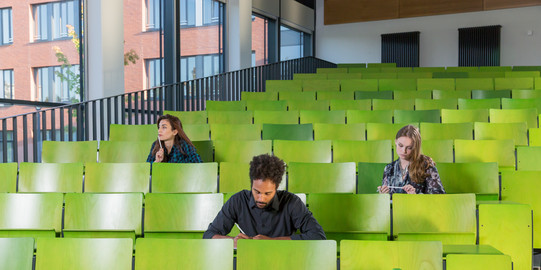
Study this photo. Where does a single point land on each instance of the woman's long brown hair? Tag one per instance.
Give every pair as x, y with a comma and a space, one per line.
419, 163
181, 135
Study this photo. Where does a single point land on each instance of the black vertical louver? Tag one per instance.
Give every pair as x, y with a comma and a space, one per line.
400, 48
479, 46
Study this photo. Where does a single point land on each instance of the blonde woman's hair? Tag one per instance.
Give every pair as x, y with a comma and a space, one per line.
419, 163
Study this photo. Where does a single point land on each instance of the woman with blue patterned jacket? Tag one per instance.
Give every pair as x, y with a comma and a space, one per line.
175, 146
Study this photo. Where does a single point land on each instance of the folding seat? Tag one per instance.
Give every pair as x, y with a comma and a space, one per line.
276, 117
117, 177
64, 253
330, 95
495, 68
397, 85
480, 178
385, 104
487, 74
132, 132
322, 105
124, 152
451, 218
383, 131
309, 76
69, 152
197, 132
352, 216
216, 105
258, 96
289, 96
344, 76
364, 70
351, 65
266, 105
380, 116
205, 149
321, 85
534, 136
321, 177
378, 151
464, 115
514, 116
9, 177
235, 176
379, 75
230, 117
438, 150
410, 116
339, 132
380, 65
94, 215
359, 254
433, 84
180, 253
515, 103
276, 254
474, 84
414, 75
449, 131
444, 94
488, 94
359, 85
436, 104
240, 151
478, 261
412, 94
449, 74
528, 158
396, 70
428, 69
51, 177
283, 85
30, 215
369, 177
189, 117
16, 253
470, 104
537, 83
501, 151
184, 216
364, 104
184, 178
234, 132
303, 151
521, 74
288, 132
327, 117
331, 70
526, 68
518, 132
461, 69
361, 95
513, 83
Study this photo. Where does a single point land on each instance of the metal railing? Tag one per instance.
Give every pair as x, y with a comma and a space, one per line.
22, 135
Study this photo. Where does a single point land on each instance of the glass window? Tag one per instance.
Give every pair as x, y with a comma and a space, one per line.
153, 17
294, 44
9, 141
260, 40
211, 12
187, 13
155, 75
57, 84
51, 20
6, 26
6, 83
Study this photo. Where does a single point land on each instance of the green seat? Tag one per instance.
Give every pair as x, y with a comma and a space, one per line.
508, 228
414, 75
184, 178
288, 132
69, 152
433, 84
410, 116
241, 132
444, 94
450, 131
383, 131
51, 177
216, 105
487, 74
514, 116
352, 216
515, 103
480, 178
84, 254
464, 115
30, 215
525, 94
303, 151
356, 151
364, 70
374, 75
197, 132
344, 76
276, 254
495, 68
526, 68
381, 116
266, 105
16, 253
522, 74
235, 176
276, 117
478, 261
124, 152
321, 177
89, 215
501, 151
321, 85
322, 105
513, 83
438, 150
205, 149
132, 132
461, 69
528, 157
451, 218
240, 151
518, 132
412, 94
117, 177
357, 254
474, 84
258, 96
327, 117
9, 177
359, 85
230, 117
360, 95
189, 117
428, 69
471, 104
184, 253
339, 132
380, 65
385, 104
397, 85
309, 76
397, 69
180, 215
534, 136
537, 83
436, 104
331, 70
369, 177
283, 85
486, 94
351, 65
345, 105
330, 95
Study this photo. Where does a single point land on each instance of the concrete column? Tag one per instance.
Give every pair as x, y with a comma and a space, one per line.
239, 34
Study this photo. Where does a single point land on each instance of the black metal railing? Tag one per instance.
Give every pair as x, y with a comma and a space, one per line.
22, 135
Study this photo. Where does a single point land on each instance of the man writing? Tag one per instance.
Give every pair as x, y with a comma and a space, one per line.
265, 212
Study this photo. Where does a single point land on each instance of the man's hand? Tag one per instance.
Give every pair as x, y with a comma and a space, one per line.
240, 236
262, 237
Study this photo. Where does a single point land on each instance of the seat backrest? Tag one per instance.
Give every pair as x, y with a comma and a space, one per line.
51, 177
124, 152
117, 177
184, 178
501, 151
327, 117
290, 96
31, 212
240, 151
230, 117
528, 157
356, 151
410, 116
216, 105
438, 150
302, 132
189, 117
464, 115
518, 132
384, 131
479, 177
303, 151
268, 96
197, 132
478, 261
513, 83
365, 104
9, 177
518, 103
379, 116
68, 152
356, 254
344, 76
397, 84
241, 132
276, 254
446, 131
309, 76
474, 84
469, 104
444, 94
118, 132
359, 85
283, 85
370, 176
321, 85
334, 95
331, 70
205, 149
436, 104
412, 94
84, 254
339, 132
276, 117
514, 116
181, 253
360, 95
386, 104
439, 84
495, 68
16, 253
524, 94
486, 74
235, 176
486, 94
321, 105
266, 105
321, 177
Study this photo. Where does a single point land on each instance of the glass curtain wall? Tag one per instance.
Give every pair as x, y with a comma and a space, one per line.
294, 43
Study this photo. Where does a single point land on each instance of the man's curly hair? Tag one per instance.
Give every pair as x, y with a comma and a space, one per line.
266, 167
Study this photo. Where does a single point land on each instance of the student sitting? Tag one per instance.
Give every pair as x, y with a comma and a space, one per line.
172, 146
